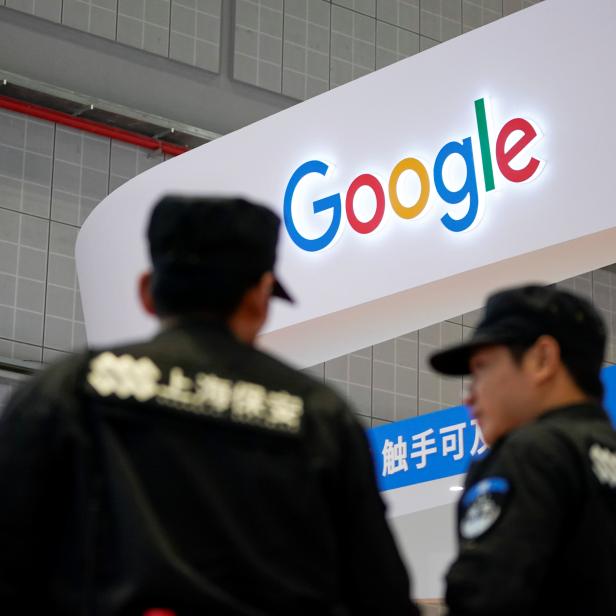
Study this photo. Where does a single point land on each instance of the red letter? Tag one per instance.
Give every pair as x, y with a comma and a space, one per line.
365, 180
503, 158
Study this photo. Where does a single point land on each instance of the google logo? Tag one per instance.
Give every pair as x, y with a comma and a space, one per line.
512, 139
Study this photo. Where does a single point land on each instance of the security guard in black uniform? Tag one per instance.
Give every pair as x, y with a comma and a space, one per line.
192, 472
537, 518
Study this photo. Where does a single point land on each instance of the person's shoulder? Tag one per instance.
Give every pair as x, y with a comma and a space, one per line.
279, 375
562, 425
60, 373
53, 385
531, 435
125, 357
136, 349
283, 374
540, 443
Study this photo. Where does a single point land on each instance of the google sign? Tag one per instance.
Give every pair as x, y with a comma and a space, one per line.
515, 135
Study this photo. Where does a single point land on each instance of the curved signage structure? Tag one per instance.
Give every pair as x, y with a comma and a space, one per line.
406, 195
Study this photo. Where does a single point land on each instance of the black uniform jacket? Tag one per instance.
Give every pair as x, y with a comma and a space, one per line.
193, 473
537, 521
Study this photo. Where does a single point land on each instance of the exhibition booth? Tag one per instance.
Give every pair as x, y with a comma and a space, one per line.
406, 197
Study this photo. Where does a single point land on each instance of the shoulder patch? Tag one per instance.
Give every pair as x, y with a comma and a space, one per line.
603, 462
483, 504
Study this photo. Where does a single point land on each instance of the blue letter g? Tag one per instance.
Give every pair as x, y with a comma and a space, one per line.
331, 202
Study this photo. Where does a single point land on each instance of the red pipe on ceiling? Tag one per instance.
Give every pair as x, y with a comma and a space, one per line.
90, 126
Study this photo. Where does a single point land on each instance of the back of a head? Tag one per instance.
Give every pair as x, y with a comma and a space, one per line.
207, 252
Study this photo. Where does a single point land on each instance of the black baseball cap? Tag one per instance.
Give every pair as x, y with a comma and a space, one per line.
210, 249
520, 315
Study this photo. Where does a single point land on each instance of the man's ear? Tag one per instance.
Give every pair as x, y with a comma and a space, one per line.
251, 313
256, 299
545, 358
266, 285
145, 293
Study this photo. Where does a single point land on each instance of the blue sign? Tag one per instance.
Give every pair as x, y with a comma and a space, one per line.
440, 444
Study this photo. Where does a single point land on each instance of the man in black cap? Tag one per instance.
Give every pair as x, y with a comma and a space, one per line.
192, 472
537, 519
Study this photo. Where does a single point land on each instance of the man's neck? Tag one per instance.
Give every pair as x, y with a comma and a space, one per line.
241, 328
564, 398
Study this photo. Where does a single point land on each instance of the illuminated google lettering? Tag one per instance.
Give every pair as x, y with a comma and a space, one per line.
513, 138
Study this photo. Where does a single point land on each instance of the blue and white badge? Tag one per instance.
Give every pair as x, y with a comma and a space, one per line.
483, 504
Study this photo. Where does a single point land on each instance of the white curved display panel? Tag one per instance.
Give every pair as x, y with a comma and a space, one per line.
400, 147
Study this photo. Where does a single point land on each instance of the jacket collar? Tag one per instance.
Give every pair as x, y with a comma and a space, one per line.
585, 410
198, 326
